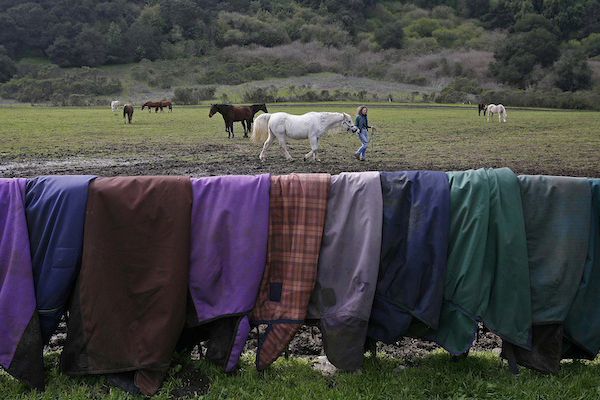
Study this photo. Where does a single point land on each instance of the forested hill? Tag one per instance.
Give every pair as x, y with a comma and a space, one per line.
529, 39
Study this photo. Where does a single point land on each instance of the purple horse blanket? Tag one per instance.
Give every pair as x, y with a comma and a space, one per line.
20, 335
129, 303
229, 230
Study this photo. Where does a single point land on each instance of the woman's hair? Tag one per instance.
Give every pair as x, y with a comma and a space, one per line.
360, 108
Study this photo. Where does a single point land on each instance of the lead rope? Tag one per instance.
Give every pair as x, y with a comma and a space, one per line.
373, 131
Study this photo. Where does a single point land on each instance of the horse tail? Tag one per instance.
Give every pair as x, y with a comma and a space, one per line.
260, 131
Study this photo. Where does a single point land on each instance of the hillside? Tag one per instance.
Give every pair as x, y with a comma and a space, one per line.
458, 51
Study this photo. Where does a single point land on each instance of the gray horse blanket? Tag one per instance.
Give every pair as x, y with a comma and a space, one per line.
20, 335
348, 266
297, 206
557, 212
129, 303
487, 276
230, 226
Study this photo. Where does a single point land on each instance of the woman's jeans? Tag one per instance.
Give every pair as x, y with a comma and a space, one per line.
364, 139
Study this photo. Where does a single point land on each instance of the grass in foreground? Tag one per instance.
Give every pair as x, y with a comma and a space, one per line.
482, 375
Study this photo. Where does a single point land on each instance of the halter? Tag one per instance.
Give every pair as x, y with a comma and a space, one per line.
349, 126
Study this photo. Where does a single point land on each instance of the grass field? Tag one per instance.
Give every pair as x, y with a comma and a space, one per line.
47, 140
187, 142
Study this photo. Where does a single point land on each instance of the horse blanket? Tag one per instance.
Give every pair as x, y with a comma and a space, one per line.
297, 206
557, 213
229, 230
582, 324
20, 336
55, 210
487, 276
412, 267
348, 265
128, 307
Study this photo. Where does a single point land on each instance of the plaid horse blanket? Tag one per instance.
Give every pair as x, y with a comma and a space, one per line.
55, 210
297, 207
129, 303
20, 336
348, 266
230, 226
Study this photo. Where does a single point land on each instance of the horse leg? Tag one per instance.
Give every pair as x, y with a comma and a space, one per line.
284, 149
314, 145
266, 146
244, 126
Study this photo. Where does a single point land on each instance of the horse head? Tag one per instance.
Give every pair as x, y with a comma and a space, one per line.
348, 124
262, 107
213, 110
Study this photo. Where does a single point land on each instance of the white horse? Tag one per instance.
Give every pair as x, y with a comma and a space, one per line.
114, 105
311, 125
493, 108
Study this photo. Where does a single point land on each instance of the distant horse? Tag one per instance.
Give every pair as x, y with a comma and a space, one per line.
231, 114
493, 108
114, 105
127, 111
152, 104
482, 108
166, 103
311, 125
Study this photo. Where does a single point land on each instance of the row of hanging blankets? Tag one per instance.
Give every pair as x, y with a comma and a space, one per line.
147, 266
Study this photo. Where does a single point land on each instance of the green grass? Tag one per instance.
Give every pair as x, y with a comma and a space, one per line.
482, 375
408, 138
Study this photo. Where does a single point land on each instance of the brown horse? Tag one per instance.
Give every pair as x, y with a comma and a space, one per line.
230, 114
166, 103
127, 110
151, 104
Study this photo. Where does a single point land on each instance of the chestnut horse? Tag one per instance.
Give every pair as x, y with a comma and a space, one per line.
127, 111
151, 104
166, 103
230, 114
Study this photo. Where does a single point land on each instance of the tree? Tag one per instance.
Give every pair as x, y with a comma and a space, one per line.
8, 68
573, 72
390, 35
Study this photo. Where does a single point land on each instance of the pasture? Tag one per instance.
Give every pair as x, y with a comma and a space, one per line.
49, 140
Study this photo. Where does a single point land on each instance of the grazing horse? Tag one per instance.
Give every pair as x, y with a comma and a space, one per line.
114, 105
127, 110
493, 108
166, 103
311, 125
231, 114
482, 108
152, 104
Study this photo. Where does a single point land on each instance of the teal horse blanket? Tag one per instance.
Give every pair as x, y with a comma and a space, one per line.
557, 213
487, 277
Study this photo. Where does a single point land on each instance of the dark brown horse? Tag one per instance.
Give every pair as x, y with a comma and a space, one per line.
230, 114
152, 104
482, 108
127, 110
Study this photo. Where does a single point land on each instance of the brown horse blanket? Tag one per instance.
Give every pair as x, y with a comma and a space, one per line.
348, 266
297, 206
129, 303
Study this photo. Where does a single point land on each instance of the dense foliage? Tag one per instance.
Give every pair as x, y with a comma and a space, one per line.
538, 37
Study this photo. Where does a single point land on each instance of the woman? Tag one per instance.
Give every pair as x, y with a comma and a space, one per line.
362, 125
